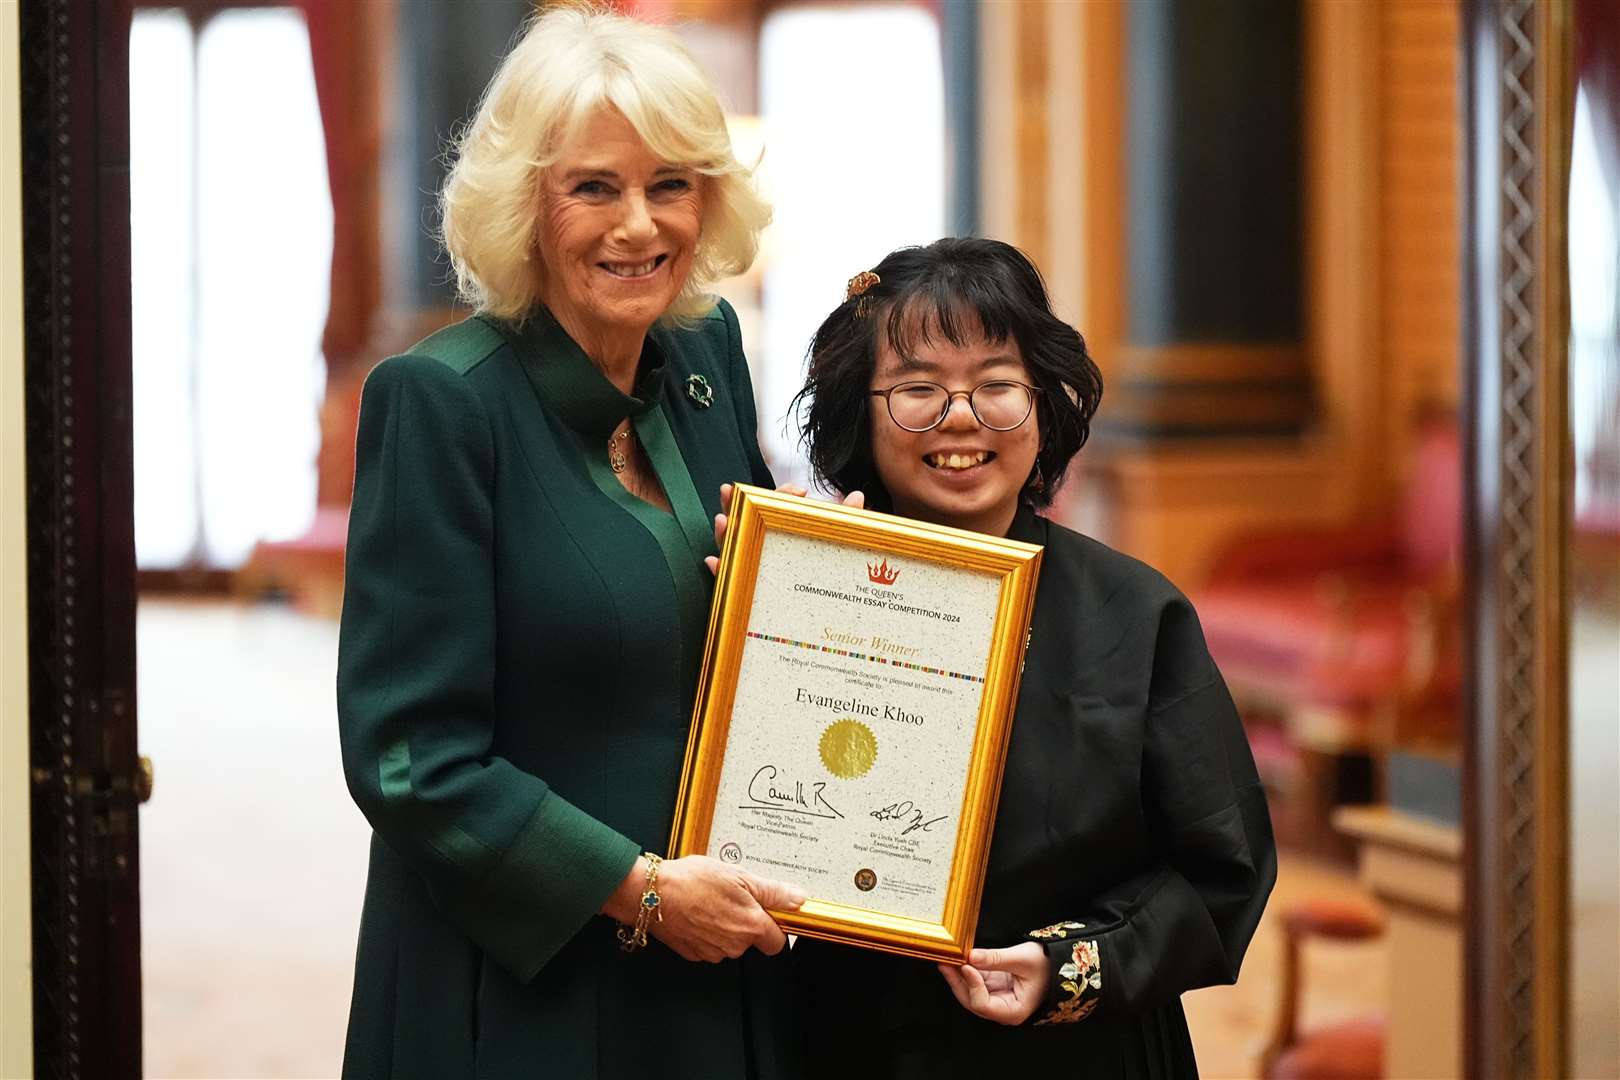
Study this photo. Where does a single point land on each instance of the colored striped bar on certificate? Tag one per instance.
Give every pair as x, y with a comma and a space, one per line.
906, 664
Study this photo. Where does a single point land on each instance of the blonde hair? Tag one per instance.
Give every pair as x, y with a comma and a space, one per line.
570, 62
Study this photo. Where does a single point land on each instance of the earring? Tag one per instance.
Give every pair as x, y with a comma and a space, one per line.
1037, 482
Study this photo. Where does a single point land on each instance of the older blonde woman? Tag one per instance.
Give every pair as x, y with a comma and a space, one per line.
526, 597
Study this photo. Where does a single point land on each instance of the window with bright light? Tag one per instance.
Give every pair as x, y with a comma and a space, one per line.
231, 247
1594, 354
852, 101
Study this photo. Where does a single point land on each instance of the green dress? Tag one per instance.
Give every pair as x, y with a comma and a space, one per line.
517, 664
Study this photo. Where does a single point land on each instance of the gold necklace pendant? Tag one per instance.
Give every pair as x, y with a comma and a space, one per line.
618, 455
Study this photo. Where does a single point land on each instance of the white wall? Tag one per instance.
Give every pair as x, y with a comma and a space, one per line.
16, 986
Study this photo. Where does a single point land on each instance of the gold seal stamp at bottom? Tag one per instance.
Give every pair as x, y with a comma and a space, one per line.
848, 748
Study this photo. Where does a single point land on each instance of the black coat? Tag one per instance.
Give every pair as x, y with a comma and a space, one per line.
1131, 805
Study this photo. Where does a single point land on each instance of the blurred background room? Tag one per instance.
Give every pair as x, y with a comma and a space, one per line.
1258, 214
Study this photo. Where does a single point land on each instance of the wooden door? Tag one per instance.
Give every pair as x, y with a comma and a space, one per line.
86, 776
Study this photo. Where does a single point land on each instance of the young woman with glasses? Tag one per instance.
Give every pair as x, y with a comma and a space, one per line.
1132, 853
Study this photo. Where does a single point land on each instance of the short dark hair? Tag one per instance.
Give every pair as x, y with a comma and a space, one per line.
955, 288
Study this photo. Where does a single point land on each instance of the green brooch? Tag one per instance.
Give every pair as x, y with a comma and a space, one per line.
699, 390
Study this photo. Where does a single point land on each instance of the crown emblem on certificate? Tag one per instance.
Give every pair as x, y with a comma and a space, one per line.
882, 573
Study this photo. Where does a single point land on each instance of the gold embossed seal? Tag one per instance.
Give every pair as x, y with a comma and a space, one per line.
848, 748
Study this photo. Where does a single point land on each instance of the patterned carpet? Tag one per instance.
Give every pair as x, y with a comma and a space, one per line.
253, 862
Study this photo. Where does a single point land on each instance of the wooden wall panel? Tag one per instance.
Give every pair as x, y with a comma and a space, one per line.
1101, 178
1419, 249
1033, 57
1342, 250
1068, 132
1381, 140
999, 171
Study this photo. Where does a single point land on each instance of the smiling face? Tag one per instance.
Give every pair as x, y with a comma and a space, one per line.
616, 235
960, 472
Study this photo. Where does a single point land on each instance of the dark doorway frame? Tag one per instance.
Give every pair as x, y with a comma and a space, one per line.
1518, 97
84, 768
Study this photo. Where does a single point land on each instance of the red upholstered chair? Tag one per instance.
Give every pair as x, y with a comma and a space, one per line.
1352, 1050
1351, 634
308, 568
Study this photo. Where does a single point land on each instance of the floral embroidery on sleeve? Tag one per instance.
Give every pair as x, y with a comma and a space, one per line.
1082, 982
1079, 976
1056, 930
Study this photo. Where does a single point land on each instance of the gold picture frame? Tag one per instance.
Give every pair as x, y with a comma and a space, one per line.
980, 593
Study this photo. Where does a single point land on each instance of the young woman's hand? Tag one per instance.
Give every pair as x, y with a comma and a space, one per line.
856, 499
1004, 985
711, 911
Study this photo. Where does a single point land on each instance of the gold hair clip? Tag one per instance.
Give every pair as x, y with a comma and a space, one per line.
860, 283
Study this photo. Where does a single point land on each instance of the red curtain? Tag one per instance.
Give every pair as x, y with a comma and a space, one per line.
346, 39
1597, 60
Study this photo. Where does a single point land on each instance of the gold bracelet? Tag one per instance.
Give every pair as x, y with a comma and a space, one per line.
634, 937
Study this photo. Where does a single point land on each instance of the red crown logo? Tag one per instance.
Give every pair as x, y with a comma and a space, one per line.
881, 574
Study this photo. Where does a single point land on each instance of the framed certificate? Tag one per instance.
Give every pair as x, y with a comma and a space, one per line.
852, 717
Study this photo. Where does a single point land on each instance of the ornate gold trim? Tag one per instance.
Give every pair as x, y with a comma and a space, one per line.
1523, 1033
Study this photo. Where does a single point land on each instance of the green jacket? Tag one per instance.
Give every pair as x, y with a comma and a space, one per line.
516, 670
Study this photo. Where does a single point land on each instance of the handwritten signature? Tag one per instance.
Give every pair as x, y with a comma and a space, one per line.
913, 817
766, 791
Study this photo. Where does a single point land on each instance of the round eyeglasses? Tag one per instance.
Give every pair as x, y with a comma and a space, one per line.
1000, 405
